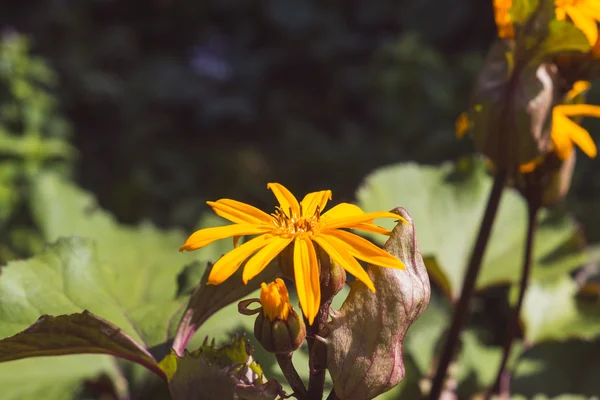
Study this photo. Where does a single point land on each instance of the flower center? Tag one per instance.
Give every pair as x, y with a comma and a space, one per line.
296, 224
274, 300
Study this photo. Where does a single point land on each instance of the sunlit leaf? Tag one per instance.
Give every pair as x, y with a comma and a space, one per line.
553, 311
447, 204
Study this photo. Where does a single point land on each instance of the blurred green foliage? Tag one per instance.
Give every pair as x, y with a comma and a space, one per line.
177, 102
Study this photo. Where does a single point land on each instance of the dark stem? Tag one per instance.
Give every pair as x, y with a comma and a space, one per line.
317, 353
291, 375
332, 395
462, 309
502, 383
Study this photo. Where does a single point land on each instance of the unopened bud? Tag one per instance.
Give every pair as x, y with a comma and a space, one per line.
364, 339
278, 327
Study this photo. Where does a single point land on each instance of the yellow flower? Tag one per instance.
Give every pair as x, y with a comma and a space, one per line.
274, 300
301, 225
506, 30
585, 14
566, 132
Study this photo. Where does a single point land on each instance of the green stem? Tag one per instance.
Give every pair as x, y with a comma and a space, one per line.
462, 309
291, 375
502, 383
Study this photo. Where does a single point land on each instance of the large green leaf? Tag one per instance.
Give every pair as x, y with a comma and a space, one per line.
51, 378
447, 205
69, 277
567, 370
553, 311
139, 264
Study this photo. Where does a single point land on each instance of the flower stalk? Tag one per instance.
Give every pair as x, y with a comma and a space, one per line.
462, 309
291, 375
533, 194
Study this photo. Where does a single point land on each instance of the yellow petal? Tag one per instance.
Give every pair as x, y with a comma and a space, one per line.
591, 9
372, 228
578, 110
260, 260
462, 124
311, 201
230, 262
561, 15
287, 201
364, 250
306, 275
531, 165
203, 237
584, 22
578, 88
351, 221
342, 210
239, 212
563, 146
340, 256
577, 135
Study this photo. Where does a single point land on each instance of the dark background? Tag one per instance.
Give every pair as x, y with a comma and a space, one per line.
172, 103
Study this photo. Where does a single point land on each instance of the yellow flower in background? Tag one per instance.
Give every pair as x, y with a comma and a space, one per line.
302, 225
504, 23
566, 132
585, 15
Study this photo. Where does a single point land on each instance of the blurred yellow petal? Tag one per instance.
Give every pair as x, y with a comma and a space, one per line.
563, 146
239, 212
578, 88
578, 110
306, 275
336, 250
365, 250
530, 166
462, 125
205, 236
577, 135
287, 201
311, 201
584, 22
591, 8
230, 262
263, 257
503, 19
